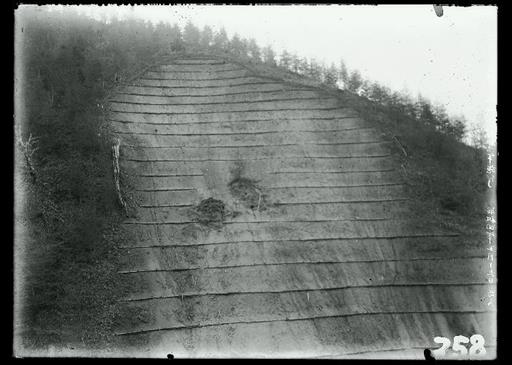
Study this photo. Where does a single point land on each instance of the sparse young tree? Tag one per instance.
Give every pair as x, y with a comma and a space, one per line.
191, 36
377, 93
354, 82
479, 138
206, 37
160, 35
285, 60
254, 50
441, 119
425, 112
398, 105
315, 71
269, 56
407, 104
456, 128
364, 89
236, 46
303, 66
343, 74
331, 76
221, 40
244, 48
176, 39
295, 63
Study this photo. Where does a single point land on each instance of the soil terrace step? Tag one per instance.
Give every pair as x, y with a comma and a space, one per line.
333, 263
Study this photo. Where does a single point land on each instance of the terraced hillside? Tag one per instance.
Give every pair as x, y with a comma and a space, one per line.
327, 263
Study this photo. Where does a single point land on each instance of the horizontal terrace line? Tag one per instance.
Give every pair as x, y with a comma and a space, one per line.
299, 203
222, 94
246, 133
289, 187
208, 62
313, 203
236, 121
210, 86
160, 70
264, 221
184, 79
343, 201
303, 290
166, 206
231, 111
329, 172
419, 354
224, 102
187, 327
167, 175
236, 243
258, 145
258, 159
391, 237
285, 263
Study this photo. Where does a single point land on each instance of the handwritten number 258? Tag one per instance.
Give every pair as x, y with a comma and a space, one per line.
477, 345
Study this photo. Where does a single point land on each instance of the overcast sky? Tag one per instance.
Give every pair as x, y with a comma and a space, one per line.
451, 60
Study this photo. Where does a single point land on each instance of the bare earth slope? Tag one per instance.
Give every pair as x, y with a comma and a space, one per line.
331, 266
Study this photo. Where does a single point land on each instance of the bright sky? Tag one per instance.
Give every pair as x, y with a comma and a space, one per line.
451, 60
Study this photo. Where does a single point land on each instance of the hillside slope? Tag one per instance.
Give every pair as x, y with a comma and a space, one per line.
329, 261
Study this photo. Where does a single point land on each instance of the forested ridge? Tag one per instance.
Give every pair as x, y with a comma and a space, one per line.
67, 64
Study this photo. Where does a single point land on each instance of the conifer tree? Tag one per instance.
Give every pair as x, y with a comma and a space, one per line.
269, 56
254, 50
244, 47
176, 39
191, 36
456, 128
343, 74
206, 37
285, 60
315, 71
441, 119
221, 40
425, 112
478, 137
236, 46
376, 93
354, 82
331, 76
303, 66
295, 63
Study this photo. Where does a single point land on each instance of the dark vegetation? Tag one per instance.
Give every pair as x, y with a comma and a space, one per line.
66, 66
446, 178
210, 212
